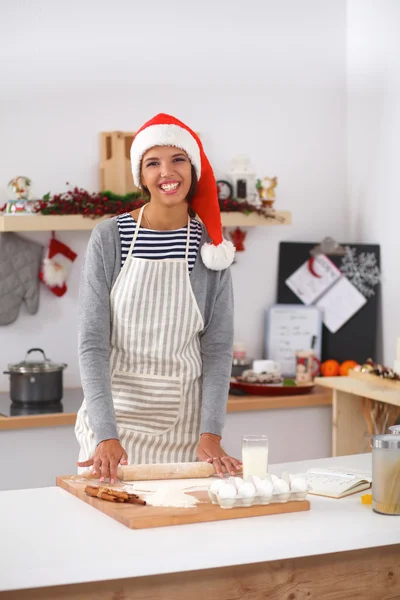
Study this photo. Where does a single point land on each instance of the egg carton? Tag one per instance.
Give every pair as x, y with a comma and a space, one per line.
256, 500
234, 492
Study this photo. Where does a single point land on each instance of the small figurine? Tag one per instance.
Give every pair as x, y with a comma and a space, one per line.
266, 190
19, 192
19, 188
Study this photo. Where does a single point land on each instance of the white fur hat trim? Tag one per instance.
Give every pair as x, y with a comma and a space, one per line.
218, 257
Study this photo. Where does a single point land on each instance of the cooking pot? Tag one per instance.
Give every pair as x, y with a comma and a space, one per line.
36, 382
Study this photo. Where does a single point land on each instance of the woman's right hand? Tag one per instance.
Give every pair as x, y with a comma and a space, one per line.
108, 455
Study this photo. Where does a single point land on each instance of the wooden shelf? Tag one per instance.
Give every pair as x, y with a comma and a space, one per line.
318, 397
80, 223
364, 388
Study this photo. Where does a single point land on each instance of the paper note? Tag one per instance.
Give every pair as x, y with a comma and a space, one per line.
340, 303
309, 287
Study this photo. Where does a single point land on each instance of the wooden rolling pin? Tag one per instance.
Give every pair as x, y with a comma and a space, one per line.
188, 470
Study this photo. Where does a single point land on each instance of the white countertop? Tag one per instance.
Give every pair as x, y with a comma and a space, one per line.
49, 537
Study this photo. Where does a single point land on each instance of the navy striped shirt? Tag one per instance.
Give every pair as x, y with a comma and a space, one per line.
158, 245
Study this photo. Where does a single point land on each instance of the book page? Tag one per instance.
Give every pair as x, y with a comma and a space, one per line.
335, 482
343, 472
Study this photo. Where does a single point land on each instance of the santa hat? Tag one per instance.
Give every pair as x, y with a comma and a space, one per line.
164, 130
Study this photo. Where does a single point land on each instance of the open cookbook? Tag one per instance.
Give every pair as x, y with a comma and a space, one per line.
337, 483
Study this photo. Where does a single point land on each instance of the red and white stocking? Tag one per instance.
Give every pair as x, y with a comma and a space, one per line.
56, 266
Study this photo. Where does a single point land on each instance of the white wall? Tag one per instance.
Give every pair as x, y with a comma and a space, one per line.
374, 144
261, 78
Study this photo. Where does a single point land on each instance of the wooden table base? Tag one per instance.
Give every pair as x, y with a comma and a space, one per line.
371, 574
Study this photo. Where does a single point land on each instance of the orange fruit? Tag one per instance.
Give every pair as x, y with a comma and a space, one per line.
330, 368
346, 366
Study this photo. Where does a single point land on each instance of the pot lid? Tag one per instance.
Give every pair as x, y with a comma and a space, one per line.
36, 366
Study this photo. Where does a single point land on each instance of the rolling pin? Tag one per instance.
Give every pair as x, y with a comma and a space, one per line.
188, 470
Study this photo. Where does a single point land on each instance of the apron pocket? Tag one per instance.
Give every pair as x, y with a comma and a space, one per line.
146, 403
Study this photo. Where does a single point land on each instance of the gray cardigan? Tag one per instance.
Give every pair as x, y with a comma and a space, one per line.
214, 296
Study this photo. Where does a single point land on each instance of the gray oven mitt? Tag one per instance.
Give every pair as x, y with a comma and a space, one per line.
20, 262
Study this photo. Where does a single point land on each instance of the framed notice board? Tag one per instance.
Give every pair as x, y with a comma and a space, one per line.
356, 339
289, 328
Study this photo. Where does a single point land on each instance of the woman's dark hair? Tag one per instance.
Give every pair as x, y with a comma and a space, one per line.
190, 195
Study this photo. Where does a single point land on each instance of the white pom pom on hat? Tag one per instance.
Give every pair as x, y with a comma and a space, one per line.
165, 130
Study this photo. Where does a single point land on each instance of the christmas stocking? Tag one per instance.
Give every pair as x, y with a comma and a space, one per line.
56, 266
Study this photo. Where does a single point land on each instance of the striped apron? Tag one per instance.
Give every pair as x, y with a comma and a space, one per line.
155, 361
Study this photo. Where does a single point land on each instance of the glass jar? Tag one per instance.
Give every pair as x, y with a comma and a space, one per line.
395, 429
386, 474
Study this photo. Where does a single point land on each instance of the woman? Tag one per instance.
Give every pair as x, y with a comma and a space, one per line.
156, 316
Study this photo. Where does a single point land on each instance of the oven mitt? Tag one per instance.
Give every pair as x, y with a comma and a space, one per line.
20, 261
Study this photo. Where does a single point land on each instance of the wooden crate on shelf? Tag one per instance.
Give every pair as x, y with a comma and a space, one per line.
115, 164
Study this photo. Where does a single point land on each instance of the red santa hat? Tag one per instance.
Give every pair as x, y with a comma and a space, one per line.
164, 130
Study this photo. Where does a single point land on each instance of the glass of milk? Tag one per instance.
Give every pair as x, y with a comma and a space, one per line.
255, 456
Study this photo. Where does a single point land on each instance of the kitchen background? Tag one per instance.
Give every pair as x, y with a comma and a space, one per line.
307, 90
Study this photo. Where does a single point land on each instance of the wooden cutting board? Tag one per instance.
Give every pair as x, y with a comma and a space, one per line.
390, 384
144, 517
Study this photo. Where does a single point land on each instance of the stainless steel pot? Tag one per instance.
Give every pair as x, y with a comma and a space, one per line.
36, 382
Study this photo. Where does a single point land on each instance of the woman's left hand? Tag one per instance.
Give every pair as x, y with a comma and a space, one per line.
209, 450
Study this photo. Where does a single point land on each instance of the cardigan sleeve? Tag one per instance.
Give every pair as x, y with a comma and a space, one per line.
94, 330
217, 356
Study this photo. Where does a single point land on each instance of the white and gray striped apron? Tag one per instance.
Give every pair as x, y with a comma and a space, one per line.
155, 361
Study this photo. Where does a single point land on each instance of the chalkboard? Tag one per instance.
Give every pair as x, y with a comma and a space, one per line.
357, 339
289, 328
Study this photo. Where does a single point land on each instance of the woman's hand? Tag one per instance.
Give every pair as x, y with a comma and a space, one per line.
209, 450
109, 454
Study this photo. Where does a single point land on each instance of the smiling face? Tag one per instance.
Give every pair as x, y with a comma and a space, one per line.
166, 172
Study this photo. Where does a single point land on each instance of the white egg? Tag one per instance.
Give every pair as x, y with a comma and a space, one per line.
227, 490
236, 481
286, 477
256, 480
216, 485
302, 475
281, 487
274, 478
247, 490
299, 484
265, 488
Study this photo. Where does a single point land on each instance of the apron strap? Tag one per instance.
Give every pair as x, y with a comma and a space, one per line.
136, 231
188, 240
